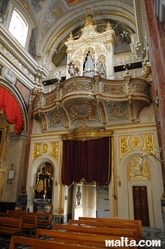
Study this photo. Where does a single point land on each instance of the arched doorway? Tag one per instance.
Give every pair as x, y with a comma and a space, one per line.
43, 187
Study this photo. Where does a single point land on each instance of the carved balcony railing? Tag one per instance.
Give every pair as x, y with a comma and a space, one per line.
91, 100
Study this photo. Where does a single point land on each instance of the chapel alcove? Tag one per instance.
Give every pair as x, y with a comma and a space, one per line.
43, 187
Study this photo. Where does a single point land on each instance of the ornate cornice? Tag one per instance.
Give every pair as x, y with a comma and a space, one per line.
92, 101
85, 132
25, 65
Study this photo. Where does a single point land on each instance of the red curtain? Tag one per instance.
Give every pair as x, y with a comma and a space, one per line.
11, 110
89, 160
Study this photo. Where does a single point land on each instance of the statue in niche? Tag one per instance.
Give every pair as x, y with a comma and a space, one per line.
43, 187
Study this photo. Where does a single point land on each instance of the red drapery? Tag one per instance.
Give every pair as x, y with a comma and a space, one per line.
89, 160
11, 110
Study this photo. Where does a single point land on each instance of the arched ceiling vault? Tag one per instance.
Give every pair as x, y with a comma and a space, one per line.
74, 19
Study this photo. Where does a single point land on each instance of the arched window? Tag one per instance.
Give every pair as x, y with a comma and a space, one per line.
18, 27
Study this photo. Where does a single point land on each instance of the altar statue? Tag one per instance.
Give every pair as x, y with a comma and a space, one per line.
43, 187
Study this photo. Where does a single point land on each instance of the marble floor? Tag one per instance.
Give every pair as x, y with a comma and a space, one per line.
148, 234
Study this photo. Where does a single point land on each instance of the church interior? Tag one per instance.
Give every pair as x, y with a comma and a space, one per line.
82, 93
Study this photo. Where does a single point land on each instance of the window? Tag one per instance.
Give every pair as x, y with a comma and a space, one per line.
18, 27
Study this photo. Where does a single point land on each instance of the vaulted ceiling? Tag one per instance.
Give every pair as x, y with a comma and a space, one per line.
55, 19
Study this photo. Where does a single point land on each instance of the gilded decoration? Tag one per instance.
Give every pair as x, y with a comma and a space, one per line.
137, 171
85, 132
103, 114
140, 88
55, 118
54, 150
50, 100
136, 142
89, 50
44, 148
82, 110
117, 111
139, 105
57, 12
36, 151
124, 146
148, 143
78, 86
113, 89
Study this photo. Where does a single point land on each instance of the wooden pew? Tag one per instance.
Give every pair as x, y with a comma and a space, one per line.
30, 222
97, 230
44, 219
137, 223
34, 243
92, 239
126, 221
11, 226
124, 226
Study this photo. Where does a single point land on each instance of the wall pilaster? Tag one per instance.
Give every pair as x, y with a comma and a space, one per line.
16, 154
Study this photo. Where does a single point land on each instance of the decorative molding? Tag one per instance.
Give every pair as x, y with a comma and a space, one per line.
36, 151
124, 145
85, 132
24, 64
137, 171
81, 102
54, 150
148, 143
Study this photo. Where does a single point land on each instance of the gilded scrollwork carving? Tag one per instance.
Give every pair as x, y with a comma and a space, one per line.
148, 143
50, 100
55, 118
113, 89
82, 110
54, 150
137, 171
85, 132
124, 145
79, 86
36, 151
117, 111
136, 142
140, 88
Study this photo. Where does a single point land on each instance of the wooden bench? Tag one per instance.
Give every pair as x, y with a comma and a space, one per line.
137, 223
123, 226
30, 222
92, 239
97, 230
44, 219
34, 243
11, 226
